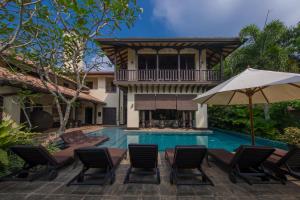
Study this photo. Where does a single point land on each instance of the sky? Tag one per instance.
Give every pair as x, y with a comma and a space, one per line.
207, 18
191, 18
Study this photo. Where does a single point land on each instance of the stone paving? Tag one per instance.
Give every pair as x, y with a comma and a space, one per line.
223, 189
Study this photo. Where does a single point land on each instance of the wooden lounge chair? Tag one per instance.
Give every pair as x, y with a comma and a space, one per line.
187, 158
103, 160
285, 164
143, 161
246, 163
35, 157
79, 138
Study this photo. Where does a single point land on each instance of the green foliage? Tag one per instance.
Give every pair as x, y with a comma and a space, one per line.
270, 48
237, 118
11, 134
291, 135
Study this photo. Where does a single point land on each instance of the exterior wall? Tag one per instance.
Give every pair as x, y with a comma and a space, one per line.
132, 114
201, 117
111, 99
11, 108
200, 63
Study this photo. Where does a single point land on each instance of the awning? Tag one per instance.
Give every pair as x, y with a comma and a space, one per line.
144, 102
185, 102
165, 101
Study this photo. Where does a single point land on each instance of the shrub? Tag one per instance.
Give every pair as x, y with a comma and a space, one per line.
11, 134
291, 135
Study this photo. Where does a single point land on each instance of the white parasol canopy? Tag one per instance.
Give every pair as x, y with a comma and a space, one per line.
254, 86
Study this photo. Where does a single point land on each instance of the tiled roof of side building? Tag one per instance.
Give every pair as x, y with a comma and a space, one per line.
27, 81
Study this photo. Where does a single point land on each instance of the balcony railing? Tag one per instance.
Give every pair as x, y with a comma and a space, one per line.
167, 75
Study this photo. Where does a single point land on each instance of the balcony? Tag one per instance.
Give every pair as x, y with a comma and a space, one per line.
167, 75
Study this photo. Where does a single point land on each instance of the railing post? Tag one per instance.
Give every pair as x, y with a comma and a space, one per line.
178, 64
221, 66
157, 64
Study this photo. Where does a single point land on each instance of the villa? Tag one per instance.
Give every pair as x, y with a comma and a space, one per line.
156, 79
152, 85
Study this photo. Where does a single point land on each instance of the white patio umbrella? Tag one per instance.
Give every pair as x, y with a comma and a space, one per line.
254, 86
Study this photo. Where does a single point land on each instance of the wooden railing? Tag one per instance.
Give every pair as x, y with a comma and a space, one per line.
167, 75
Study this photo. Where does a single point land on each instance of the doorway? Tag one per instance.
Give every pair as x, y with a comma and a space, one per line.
88, 115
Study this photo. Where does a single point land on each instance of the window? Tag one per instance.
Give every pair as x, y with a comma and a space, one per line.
89, 84
110, 86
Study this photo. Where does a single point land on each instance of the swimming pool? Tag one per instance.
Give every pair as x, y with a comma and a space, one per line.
216, 139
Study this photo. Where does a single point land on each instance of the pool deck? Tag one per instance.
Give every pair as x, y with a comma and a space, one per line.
223, 188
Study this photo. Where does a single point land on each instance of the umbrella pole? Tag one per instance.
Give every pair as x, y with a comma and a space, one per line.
251, 119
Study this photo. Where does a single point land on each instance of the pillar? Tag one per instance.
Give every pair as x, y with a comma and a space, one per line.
132, 114
150, 118
201, 117
157, 64
95, 113
11, 108
221, 66
183, 119
190, 119
143, 118
178, 64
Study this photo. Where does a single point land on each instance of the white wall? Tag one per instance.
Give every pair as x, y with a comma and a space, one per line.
111, 99
11, 108
132, 114
201, 117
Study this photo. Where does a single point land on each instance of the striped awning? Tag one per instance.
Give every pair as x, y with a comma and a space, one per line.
185, 102
165, 101
144, 102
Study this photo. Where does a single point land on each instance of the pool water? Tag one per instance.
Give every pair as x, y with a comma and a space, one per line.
216, 139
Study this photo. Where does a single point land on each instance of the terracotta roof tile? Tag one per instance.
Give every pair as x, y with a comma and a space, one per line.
21, 80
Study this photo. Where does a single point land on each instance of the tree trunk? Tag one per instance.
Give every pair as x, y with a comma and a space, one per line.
266, 112
65, 119
27, 117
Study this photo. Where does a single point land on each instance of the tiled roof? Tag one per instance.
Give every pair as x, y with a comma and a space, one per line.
27, 81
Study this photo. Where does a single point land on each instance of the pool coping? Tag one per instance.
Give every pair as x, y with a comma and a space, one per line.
168, 131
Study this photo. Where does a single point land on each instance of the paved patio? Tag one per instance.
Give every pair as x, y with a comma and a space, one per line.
223, 188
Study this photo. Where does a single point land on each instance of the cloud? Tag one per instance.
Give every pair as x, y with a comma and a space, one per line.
221, 17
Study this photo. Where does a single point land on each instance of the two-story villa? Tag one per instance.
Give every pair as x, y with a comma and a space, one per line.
157, 78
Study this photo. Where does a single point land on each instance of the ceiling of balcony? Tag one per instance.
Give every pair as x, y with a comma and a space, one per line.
215, 47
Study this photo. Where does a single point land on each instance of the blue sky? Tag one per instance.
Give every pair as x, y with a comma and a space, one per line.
207, 18
187, 18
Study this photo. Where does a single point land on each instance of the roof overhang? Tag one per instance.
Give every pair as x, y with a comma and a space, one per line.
23, 81
215, 46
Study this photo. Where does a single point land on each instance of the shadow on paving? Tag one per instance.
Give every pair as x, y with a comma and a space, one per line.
223, 189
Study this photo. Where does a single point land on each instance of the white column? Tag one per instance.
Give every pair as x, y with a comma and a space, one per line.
11, 108
201, 117
132, 114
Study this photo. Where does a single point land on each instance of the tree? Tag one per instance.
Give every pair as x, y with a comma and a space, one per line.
66, 44
16, 27
262, 49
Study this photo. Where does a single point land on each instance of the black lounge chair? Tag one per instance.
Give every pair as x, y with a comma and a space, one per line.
143, 161
286, 164
246, 163
187, 158
104, 160
35, 157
